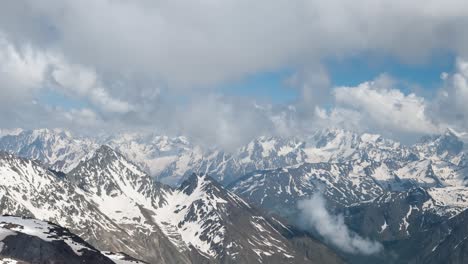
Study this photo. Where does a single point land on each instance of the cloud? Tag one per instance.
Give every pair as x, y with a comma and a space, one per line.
314, 86
79, 80
26, 71
221, 121
21, 70
332, 228
380, 106
450, 105
156, 64
198, 43
81, 117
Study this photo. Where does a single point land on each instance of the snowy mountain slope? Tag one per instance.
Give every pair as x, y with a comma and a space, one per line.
414, 226
448, 147
28, 189
108, 175
436, 161
168, 159
279, 190
274, 152
335, 145
113, 196
153, 153
223, 227
115, 206
196, 217
129, 198
421, 172
171, 159
33, 241
358, 168
57, 148
271, 153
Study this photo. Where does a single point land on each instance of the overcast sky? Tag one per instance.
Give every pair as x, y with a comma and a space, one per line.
227, 71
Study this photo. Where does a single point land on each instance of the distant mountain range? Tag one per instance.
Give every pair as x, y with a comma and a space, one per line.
167, 200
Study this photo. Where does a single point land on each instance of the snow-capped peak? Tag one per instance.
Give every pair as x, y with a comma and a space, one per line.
56, 148
113, 181
219, 224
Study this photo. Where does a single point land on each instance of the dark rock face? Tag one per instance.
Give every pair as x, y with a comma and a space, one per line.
392, 216
410, 233
33, 241
444, 243
439, 243
34, 250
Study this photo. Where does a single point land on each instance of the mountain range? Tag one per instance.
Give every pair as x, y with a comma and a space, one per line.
167, 200
112, 204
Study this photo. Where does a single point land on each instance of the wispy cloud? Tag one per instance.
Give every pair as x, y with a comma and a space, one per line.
333, 229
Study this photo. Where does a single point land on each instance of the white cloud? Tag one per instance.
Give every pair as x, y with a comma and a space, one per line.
332, 228
217, 120
450, 106
25, 71
81, 117
379, 106
313, 84
79, 80
340, 117
133, 62
21, 70
196, 43
74, 77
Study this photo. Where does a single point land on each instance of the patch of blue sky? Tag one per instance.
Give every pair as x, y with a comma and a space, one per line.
55, 99
272, 86
266, 86
426, 75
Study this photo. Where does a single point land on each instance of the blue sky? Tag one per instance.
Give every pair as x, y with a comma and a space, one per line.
351, 72
271, 86
268, 86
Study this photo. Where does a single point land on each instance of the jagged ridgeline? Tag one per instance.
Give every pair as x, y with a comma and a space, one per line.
115, 206
150, 196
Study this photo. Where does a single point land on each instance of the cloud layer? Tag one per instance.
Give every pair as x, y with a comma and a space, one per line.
158, 64
193, 43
